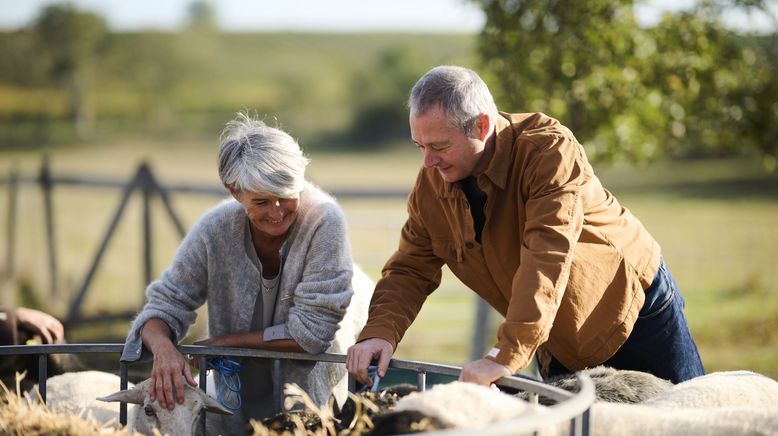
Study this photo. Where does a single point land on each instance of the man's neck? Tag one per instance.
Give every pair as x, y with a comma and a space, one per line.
487, 154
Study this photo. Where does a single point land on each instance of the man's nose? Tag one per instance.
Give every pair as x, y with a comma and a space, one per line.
430, 158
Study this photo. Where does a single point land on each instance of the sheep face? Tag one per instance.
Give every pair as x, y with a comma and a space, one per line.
182, 420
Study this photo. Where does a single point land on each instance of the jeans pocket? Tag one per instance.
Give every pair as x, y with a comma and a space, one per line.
664, 306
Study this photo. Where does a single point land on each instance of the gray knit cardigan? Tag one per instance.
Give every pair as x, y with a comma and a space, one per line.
212, 265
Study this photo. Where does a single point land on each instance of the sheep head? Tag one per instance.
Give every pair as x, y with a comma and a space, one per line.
182, 420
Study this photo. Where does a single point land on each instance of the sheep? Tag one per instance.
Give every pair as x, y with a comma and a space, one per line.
22, 416
356, 316
89, 392
721, 403
182, 420
610, 384
77, 392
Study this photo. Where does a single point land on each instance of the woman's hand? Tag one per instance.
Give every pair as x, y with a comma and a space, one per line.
168, 367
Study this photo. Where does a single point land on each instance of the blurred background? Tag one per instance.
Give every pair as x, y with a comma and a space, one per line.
110, 113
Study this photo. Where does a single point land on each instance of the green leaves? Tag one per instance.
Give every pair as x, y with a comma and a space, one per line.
687, 86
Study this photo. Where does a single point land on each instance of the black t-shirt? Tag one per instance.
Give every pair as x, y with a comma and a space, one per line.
477, 200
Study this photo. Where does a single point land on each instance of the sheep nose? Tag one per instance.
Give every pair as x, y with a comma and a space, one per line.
149, 411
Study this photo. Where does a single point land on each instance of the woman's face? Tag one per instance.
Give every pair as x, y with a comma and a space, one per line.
269, 215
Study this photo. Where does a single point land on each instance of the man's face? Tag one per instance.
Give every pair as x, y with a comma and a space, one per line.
445, 147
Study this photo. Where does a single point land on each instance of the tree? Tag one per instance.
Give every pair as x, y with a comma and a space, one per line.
69, 42
681, 87
202, 16
380, 96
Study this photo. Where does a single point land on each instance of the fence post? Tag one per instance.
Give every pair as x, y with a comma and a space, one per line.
75, 305
165, 197
479, 332
44, 178
10, 254
146, 186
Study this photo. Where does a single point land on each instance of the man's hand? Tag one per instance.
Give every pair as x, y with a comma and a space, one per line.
483, 372
49, 328
361, 354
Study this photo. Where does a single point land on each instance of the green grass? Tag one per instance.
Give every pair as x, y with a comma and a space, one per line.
715, 221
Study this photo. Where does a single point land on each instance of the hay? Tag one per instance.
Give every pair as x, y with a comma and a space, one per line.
23, 416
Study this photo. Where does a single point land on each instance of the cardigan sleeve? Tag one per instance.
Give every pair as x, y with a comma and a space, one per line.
323, 294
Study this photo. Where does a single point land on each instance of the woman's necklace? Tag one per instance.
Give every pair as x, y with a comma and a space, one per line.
269, 285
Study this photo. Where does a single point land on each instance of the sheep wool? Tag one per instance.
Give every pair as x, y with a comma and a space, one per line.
484, 405
77, 392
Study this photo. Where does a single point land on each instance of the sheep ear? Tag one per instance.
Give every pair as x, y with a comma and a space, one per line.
132, 396
214, 406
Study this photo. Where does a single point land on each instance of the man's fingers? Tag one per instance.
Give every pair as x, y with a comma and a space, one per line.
384, 356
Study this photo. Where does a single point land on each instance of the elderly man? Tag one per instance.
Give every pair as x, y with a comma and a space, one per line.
510, 203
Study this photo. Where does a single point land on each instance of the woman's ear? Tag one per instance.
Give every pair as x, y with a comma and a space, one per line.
234, 192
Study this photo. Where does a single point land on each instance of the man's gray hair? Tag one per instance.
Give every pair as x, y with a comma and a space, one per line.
256, 157
460, 92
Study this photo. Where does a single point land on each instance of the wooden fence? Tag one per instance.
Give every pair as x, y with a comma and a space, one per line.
147, 185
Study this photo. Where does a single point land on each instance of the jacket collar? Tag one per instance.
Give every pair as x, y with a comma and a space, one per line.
500, 165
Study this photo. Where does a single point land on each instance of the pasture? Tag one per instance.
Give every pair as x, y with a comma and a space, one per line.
714, 219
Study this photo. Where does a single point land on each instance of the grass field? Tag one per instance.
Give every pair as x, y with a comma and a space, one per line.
715, 220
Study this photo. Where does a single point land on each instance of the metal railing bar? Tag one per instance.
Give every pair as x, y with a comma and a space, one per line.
573, 407
123, 386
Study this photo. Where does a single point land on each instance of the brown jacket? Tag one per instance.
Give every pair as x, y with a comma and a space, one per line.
560, 258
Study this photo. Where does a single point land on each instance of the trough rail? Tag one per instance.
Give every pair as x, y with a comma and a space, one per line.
574, 407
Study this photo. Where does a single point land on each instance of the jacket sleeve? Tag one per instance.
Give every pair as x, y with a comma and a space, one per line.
324, 292
408, 278
554, 219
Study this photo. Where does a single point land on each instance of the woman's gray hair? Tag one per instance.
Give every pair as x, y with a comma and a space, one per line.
256, 157
459, 91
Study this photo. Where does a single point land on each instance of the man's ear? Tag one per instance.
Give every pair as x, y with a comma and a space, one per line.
483, 126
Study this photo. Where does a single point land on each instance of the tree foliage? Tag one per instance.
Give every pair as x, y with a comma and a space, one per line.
68, 42
686, 86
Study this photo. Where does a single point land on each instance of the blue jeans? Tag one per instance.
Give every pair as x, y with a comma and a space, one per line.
660, 342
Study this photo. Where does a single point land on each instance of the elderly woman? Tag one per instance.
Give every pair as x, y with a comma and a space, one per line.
275, 268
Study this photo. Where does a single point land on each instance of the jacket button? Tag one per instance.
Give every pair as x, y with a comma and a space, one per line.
469, 245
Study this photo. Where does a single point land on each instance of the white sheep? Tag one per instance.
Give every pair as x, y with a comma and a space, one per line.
89, 393
356, 315
77, 392
717, 404
183, 420
721, 403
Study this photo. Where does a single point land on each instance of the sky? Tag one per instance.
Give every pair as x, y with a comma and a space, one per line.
421, 16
